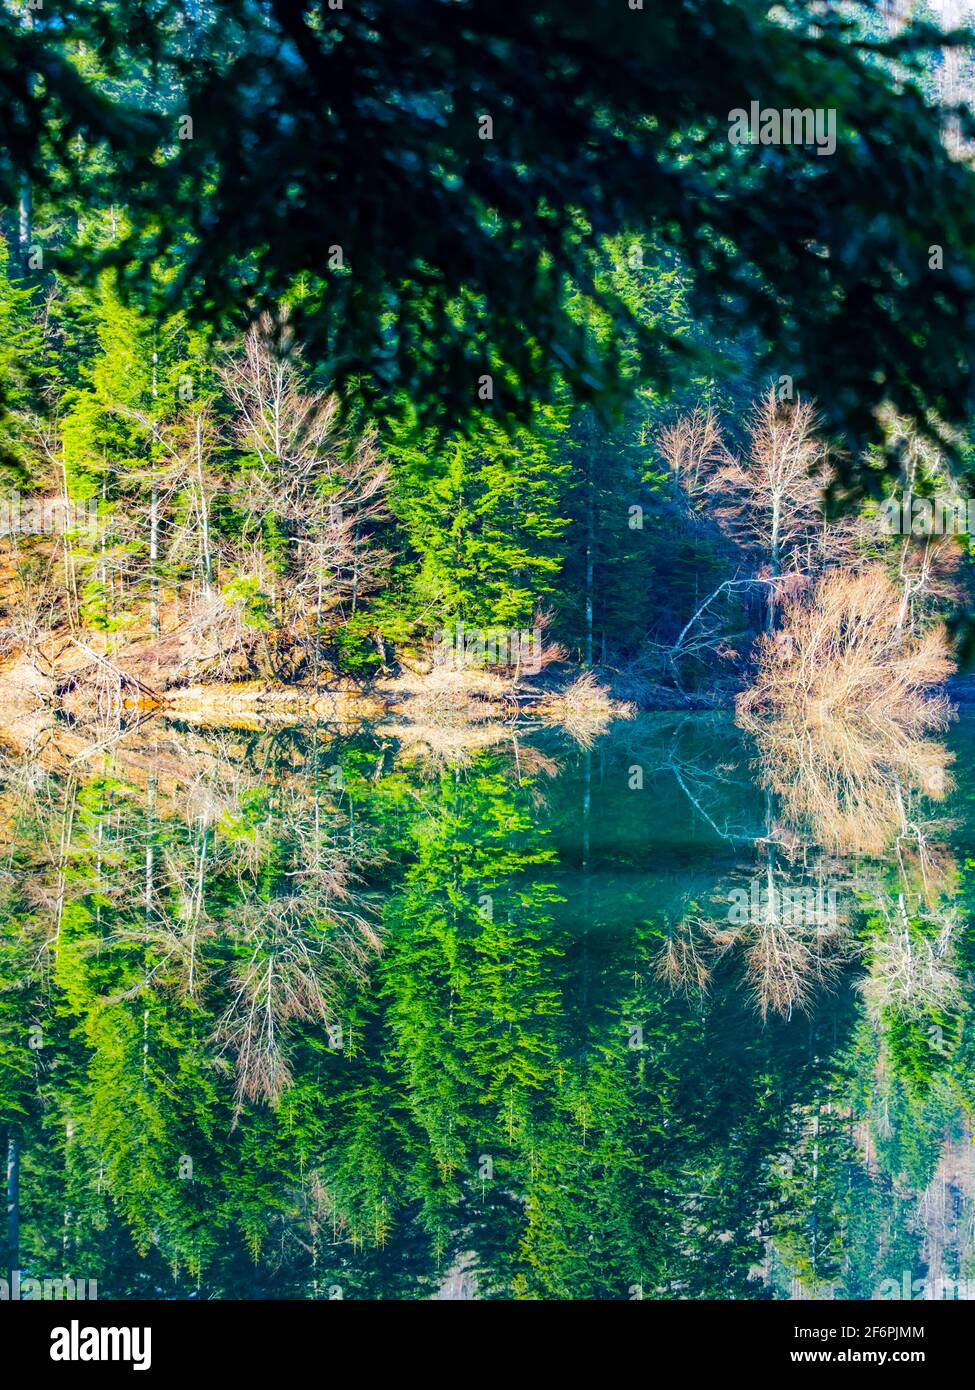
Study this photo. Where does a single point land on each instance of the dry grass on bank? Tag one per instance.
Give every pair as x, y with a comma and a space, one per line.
451, 697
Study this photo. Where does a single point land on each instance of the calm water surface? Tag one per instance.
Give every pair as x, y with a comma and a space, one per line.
295, 1013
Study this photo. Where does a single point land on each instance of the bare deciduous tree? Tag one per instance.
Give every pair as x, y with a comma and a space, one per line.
693, 447
324, 492
842, 654
772, 501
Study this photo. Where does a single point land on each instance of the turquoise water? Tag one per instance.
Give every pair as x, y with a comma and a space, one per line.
291, 1012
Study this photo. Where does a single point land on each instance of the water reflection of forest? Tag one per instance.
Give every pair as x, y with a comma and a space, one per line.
317, 1013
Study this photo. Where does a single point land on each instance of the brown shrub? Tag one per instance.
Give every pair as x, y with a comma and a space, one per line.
842, 700
844, 655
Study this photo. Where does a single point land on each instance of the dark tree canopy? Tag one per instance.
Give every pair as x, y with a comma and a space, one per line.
361, 128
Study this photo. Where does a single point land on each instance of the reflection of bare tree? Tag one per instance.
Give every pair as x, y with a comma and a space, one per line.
244, 876
176, 922
789, 949
686, 959
857, 787
298, 952
834, 788
787, 959
841, 712
298, 942
703, 755
913, 963
432, 748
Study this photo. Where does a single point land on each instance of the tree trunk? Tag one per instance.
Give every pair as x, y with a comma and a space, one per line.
776, 563
13, 1202
204, 510
70, 583
590, 542
25, 201
154, 559
25, 216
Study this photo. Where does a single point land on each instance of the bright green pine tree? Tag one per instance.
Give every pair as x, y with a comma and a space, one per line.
485, 517
139, 380
22, 369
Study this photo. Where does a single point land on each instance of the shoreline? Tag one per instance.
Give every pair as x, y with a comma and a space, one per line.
437, 697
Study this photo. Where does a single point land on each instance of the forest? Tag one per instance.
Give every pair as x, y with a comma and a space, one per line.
486, 608
197, 500
186, 516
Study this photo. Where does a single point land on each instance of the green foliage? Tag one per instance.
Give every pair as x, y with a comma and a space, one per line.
244, 593
483, 515
445, 255
21, 364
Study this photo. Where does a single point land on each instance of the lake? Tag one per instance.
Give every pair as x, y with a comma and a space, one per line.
373, 1012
